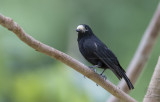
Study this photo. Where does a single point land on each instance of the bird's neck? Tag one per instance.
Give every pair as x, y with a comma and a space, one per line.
83, 36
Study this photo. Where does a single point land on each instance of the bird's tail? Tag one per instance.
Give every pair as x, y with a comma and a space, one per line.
130, 86
122, 74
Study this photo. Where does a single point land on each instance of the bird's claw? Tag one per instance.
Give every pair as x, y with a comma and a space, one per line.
103, 76
93, 69
90, 66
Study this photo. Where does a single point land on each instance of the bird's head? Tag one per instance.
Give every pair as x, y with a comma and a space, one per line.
84, 29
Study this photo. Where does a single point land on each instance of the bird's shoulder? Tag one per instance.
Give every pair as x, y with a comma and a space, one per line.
102, 50
91, 43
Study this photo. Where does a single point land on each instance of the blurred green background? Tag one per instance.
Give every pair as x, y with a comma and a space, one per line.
29, 76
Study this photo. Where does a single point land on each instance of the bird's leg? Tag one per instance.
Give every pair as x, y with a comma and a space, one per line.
102, 71
96, 66
93, 67
103, 75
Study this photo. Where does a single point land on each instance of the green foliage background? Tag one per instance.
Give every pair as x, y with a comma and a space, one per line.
29, 76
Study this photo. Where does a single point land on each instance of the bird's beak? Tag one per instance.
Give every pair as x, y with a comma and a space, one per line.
78, 30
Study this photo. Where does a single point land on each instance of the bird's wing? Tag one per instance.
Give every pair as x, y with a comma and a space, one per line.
106, 55
108, 58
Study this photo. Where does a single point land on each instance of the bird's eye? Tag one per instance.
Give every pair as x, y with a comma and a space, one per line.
86, 28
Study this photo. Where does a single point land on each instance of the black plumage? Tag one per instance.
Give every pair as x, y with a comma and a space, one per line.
98, 54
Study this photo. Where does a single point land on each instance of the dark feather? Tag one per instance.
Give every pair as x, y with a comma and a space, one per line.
97, 52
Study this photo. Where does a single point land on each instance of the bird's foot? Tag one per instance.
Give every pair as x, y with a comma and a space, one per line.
103, 76
91, 67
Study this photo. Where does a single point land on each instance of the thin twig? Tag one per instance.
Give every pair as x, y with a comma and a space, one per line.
153, 92
38, 46
143, 52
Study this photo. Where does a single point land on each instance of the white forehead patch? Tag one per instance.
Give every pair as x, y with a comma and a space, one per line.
82, 28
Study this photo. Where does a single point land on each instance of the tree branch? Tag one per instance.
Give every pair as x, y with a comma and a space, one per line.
153, 92
66, 59
143, 52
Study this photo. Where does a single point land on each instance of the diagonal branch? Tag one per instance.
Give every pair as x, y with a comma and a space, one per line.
143, 52
153, 92
66, 59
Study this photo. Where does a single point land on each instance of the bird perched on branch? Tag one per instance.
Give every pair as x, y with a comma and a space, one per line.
98, 54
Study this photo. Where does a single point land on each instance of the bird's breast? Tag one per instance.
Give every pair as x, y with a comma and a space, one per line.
87, 48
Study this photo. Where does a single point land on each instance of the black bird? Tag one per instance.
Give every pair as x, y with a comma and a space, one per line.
98, 54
